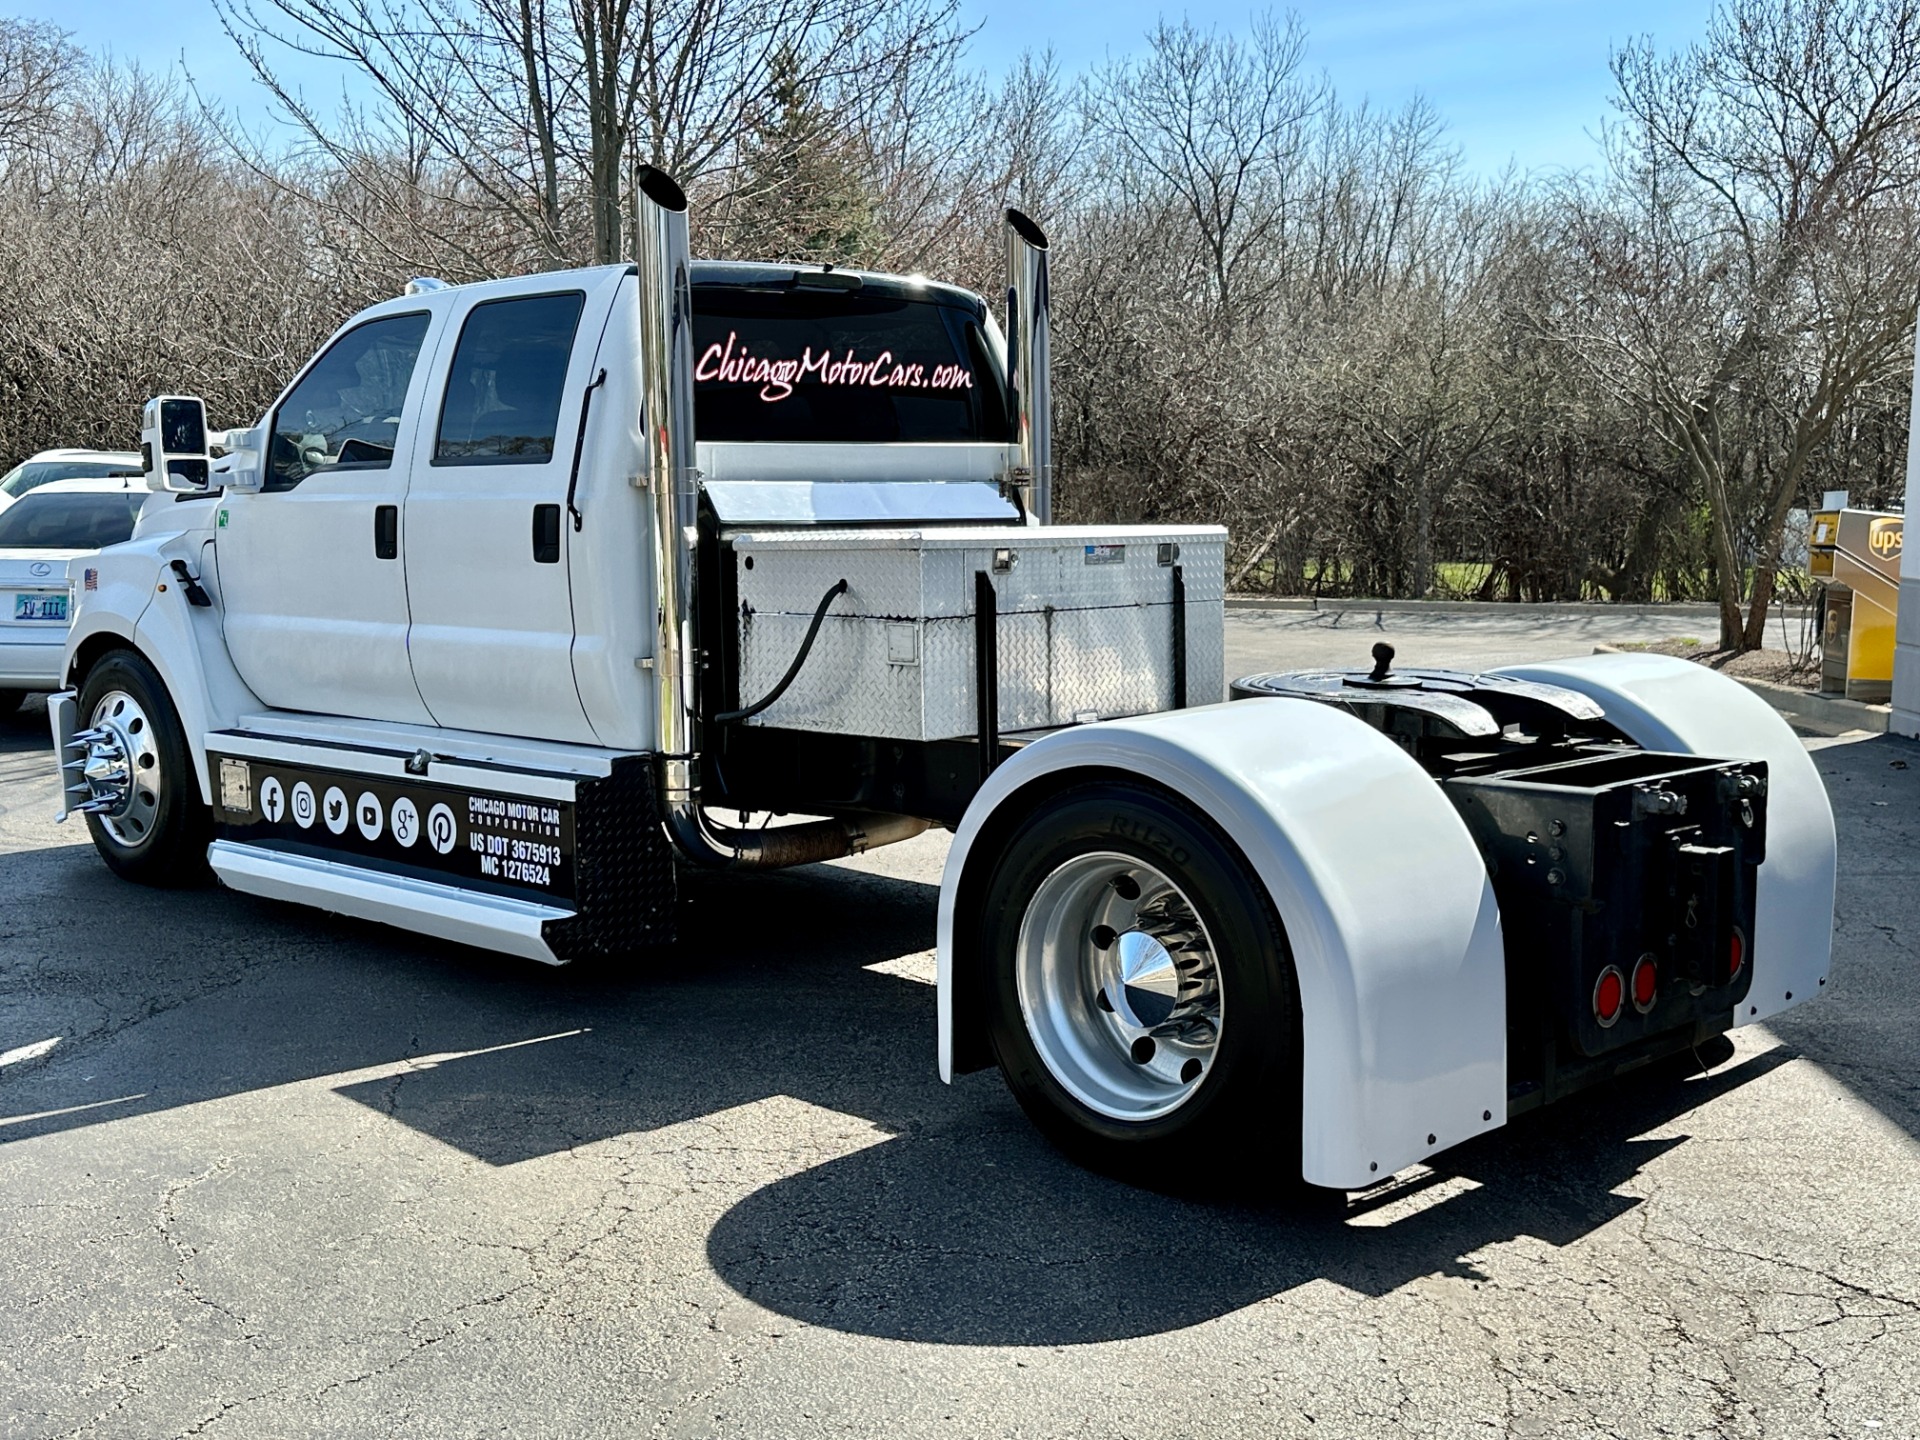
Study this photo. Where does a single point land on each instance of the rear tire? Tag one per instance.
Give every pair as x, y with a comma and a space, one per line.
158, 832
11, 702
1143, 1005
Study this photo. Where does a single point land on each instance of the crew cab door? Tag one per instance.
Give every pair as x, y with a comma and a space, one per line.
315, 596
488, 528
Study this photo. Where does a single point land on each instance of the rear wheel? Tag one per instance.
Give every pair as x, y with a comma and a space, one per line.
144, 812
1144, 1008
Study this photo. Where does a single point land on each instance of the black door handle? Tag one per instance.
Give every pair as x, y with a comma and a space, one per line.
546, 534
386, 532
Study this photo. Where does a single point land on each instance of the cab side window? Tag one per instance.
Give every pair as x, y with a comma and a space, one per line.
502, 405
345, 412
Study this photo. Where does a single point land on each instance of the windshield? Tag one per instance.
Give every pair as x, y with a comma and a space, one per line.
70, 522
794, 366
35, 473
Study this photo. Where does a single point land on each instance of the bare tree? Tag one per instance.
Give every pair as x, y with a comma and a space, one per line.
1217, 126
544, 108
1758, 251
37, 63
134, 259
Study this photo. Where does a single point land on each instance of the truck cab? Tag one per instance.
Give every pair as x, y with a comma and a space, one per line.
772, 537
416, 519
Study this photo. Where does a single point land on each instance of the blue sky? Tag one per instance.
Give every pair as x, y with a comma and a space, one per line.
1524, 80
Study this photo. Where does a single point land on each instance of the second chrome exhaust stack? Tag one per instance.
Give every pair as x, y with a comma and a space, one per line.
665, 357
1029, 358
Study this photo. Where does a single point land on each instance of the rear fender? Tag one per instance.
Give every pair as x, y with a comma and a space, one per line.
1664, 703
1391, 920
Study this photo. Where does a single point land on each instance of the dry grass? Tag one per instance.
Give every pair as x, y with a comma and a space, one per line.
1778, 666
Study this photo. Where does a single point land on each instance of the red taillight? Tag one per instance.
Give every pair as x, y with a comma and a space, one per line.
1646, 983
1609, 996
1736, 955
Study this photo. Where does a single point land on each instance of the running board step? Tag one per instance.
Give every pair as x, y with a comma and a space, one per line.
545, 864
491, 922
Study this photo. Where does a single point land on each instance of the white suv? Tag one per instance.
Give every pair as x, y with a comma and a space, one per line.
39, 533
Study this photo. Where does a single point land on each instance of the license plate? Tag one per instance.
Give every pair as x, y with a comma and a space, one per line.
40, 607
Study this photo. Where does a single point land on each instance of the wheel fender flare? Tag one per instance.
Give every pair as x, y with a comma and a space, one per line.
114, 591
1392, 923
136, 602
1666, 703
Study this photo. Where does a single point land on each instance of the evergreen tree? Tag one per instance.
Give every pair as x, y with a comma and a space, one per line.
801, 194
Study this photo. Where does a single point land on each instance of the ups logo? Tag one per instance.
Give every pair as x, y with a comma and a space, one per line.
1884, 536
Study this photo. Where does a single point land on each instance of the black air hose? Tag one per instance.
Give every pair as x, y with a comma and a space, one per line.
729, 717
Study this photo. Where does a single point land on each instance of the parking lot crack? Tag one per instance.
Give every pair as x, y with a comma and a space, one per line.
166, 1221
1839, 1282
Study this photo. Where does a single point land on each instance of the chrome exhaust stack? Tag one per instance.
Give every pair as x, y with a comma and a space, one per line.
1029, 356
665, 358
664, 354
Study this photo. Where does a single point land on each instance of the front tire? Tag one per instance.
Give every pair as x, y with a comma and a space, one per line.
1143, 1003
152, 826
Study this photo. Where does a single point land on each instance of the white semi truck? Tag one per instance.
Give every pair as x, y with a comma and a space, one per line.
519, 583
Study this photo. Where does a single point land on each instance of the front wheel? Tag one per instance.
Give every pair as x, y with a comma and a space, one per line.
1144, 1007
144, 808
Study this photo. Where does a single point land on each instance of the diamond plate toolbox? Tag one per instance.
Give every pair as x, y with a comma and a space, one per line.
1085, 627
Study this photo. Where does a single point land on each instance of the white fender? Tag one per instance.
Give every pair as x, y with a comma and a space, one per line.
1392, 922
183, 641
1665, 703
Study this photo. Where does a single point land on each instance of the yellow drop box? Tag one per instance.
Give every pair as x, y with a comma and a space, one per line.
1856, 555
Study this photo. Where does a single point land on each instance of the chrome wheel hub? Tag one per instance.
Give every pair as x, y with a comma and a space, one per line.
118, 757
1119, 986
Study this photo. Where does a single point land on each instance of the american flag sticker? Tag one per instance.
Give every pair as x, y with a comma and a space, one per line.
92, 578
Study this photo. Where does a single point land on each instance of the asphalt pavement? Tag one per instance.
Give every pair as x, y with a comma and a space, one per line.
269, 1173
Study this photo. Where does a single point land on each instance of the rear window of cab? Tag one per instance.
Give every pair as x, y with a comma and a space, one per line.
790, 365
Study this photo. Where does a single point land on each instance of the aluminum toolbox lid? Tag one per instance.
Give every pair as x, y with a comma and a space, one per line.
975, 537
928, 574
848, 502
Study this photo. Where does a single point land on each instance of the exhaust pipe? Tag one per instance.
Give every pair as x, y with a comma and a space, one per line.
1029, 355
665, 357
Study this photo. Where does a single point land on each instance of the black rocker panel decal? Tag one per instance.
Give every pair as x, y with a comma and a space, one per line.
505, 844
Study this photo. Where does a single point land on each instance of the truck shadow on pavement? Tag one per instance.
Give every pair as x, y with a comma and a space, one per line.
1865, 1030
929, 1240
959, 1225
